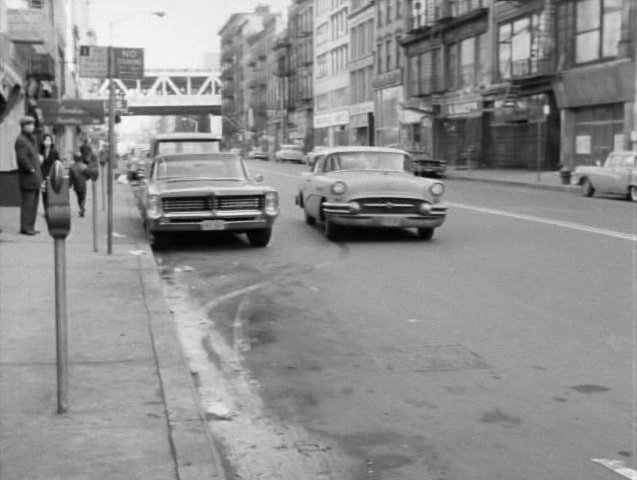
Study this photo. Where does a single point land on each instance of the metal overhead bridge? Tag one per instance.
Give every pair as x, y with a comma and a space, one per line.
169, 92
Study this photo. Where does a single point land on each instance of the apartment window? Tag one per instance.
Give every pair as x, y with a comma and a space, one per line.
399, 54
399, 4
597, 29
388, 11
379, 58
483, 58
452, 65
380, 12
414, 67
467, 62
519, 47
388, 55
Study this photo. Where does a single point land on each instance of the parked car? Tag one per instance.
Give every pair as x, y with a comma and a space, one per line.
369, 187
311, 156
424, 165
289, 153
169, 143
206, 191
258, 154
617, 176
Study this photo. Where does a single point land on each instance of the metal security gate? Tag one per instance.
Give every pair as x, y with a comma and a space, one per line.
598, 130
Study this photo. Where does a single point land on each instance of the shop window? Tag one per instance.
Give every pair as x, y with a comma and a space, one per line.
597, 29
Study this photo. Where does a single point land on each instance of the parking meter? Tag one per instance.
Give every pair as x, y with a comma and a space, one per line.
58, 207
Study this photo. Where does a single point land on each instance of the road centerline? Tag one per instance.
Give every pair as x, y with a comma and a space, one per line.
549, 221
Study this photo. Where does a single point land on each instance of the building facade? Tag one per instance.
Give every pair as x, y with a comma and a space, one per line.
39, 43
301, 68
388, 79
361, 68
331, 72
595, 91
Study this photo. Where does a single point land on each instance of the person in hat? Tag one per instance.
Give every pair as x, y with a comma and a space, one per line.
29, 175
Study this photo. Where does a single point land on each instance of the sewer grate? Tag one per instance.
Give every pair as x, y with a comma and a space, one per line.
431, 358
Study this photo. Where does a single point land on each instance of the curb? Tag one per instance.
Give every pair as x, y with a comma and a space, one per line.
192, 444
535, 186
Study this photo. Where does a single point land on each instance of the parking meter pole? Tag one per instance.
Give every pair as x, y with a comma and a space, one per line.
61, 334
58, 219
94, 205
103, 189
111, 152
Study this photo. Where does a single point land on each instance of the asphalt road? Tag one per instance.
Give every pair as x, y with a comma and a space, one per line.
501, 349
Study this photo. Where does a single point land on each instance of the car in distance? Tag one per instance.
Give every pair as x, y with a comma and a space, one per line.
257, 154
617, 176
369, 187
424, 165
201, 192
289, 153
169, 143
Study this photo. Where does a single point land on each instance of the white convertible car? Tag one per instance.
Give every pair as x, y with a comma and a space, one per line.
369, 187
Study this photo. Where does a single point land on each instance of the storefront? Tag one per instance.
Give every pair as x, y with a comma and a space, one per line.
361, 123
416, 124
458, 130
331, 129
596, 111
389, 97
522, 133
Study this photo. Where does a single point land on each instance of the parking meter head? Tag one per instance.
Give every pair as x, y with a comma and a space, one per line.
58, 207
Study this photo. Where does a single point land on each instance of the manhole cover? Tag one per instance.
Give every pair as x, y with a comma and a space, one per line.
431, 358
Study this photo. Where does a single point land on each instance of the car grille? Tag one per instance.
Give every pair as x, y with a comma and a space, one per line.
206, 204
240, 202
186, 204
387, 206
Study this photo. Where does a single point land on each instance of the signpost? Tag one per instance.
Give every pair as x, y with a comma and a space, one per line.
93, 61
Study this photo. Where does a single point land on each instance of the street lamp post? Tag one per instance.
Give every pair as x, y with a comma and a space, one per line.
111, 127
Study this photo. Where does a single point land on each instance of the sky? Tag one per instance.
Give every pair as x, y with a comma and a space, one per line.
179, 39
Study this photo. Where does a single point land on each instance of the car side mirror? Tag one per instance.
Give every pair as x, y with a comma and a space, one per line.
258, 177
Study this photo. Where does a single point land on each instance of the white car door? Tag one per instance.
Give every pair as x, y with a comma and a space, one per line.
623, 174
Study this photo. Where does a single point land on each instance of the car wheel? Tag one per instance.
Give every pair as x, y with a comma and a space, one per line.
259, 238
587, 188
632, 193
309, 219
426, 233
332, 231
158, 241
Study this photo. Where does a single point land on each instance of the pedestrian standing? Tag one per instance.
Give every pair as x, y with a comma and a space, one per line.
29, 175
78, 174
49, 156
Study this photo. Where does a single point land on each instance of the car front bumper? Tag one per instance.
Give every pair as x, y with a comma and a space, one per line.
237, 221
339, 214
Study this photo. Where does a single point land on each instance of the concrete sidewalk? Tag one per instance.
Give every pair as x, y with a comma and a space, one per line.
134, 412
548, 180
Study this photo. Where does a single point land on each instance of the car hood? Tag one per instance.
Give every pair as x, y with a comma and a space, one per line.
386, 183
202, 187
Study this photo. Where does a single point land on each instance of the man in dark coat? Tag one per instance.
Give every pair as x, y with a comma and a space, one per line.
29, 176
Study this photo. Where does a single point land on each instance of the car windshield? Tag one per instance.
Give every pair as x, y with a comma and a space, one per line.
369, 161
165, 147
200, 167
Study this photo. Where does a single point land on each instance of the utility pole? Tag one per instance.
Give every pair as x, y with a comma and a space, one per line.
111, 146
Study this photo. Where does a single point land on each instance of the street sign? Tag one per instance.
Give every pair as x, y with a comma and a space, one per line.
128, 63
121, 105
93, 61
72, 112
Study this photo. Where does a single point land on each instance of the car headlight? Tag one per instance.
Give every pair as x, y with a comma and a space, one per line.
339, 188
271, 202
437, 189
154, 205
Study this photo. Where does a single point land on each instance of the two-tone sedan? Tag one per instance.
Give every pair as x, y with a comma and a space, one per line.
369, 187
617, 176
206, 192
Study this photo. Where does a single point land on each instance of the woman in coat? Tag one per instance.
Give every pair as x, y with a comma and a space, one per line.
49, 156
